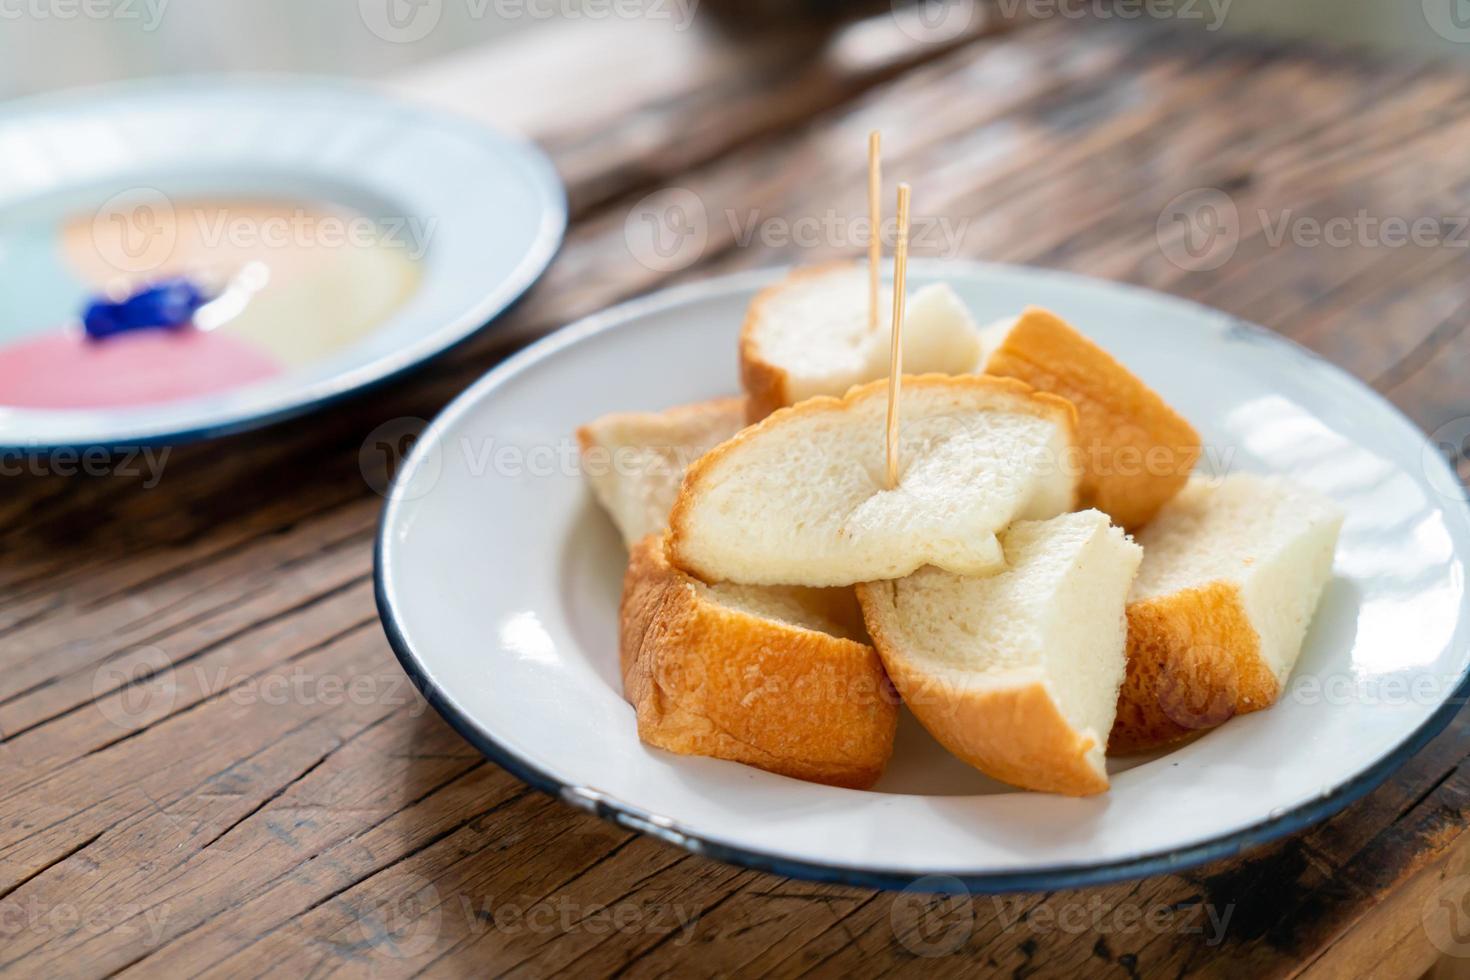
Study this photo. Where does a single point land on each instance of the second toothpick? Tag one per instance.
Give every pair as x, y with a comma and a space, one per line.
895, 353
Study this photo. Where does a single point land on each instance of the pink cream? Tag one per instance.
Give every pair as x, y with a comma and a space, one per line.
63, 369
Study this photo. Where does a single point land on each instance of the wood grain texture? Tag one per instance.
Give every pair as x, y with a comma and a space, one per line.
212, 765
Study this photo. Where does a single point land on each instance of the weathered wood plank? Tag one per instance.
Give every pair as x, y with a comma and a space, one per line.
684, 94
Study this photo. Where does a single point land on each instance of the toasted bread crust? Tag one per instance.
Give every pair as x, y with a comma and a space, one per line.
1017, 735
1194, 662
713, 681
765, 384
1012, 394
1138, 451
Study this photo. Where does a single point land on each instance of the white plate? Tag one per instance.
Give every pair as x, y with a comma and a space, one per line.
494, 205
498, 583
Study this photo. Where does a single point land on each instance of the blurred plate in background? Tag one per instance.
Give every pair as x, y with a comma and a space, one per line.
352, 237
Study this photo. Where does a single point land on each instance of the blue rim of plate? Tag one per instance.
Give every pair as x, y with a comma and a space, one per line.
635, 818
325, 392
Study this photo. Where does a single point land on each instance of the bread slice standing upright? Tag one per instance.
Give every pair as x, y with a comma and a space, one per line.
1232, 572
635, 461
809, 335
1016, 673
781, 679
1136, 451
802, 499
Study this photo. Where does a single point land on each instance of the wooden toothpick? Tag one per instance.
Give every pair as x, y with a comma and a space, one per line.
875, 218
895, 352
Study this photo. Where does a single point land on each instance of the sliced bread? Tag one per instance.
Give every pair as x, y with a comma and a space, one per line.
1016, 673
781, 679
1136, 451
801, 498
809, 335
635, 461
1232, 572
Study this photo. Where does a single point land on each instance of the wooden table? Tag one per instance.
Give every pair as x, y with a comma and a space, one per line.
213, 764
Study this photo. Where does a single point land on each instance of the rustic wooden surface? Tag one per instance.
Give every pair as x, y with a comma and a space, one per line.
212, 764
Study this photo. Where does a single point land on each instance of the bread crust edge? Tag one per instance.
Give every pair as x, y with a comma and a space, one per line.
1119, 413
695, 673
1015, 734
766, 384
1194, 662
